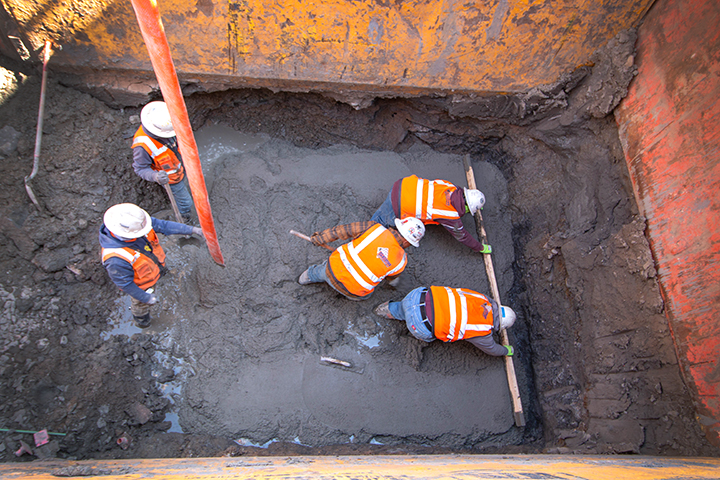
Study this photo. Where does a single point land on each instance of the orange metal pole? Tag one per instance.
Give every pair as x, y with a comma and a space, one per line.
153, 33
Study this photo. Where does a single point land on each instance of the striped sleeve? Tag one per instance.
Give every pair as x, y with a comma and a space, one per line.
341, 232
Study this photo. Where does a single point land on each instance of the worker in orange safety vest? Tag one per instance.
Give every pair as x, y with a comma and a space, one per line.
133, 256
356, 268
433, 202
156, 157
452, 314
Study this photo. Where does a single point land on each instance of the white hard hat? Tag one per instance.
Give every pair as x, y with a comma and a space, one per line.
474, 199
412, 229
155, 117
507, 318
127, 221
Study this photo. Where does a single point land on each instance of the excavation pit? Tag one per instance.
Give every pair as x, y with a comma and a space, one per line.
233, 356
255, 337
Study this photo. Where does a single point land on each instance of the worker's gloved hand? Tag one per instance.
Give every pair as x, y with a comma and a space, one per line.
316, 239
198, 231
394, 282
153, 300
162, 178
510, 350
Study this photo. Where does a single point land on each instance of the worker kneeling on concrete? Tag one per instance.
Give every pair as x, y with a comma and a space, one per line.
375, 253
433, 202
452, 314
156, 157
132, 255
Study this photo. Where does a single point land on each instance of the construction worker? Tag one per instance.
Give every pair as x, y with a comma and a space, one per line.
132, 255
452, 314
356, 268
433, 202
156, 157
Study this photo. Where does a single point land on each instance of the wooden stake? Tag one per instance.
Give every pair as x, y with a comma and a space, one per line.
490, 270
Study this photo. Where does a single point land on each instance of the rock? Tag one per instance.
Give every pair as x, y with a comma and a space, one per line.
49, 450
8, 140
163, 426
19, 416
52, 260
140, 413
19, 237
166, 375
22, 305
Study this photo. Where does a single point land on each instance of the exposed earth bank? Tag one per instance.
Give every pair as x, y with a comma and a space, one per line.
598, 370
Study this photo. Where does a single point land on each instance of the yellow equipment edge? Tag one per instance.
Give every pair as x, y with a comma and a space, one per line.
476, 467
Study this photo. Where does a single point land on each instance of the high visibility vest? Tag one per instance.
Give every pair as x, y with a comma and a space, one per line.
163, 157
427, 200
147, 271
362, 264
460, 313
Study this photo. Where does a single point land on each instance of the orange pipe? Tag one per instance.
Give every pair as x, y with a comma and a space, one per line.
153, 33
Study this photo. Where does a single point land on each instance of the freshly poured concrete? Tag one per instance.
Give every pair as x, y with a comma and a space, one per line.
252, 337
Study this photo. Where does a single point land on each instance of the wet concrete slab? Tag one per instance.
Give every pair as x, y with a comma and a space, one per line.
252, 338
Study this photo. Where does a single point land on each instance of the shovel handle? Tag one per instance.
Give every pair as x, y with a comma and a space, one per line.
176, 210
305, 237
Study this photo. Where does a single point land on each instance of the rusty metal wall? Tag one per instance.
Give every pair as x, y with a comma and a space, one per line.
670, 131
412, 46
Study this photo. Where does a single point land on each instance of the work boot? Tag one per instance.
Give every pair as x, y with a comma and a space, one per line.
383, 310
142, 322
304, 278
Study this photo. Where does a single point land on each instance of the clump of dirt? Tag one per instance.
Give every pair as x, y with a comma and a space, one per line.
595, 358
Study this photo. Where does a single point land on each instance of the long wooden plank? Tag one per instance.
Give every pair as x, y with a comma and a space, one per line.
490, 270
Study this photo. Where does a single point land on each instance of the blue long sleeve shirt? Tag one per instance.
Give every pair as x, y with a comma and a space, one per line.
120, 270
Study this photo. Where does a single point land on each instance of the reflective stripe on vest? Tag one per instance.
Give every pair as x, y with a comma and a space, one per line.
146, 270
146, 141
460, 313
382, 254
127, 253
426, 199
163, 157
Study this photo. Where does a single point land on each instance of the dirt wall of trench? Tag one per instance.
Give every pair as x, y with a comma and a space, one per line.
600, 372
